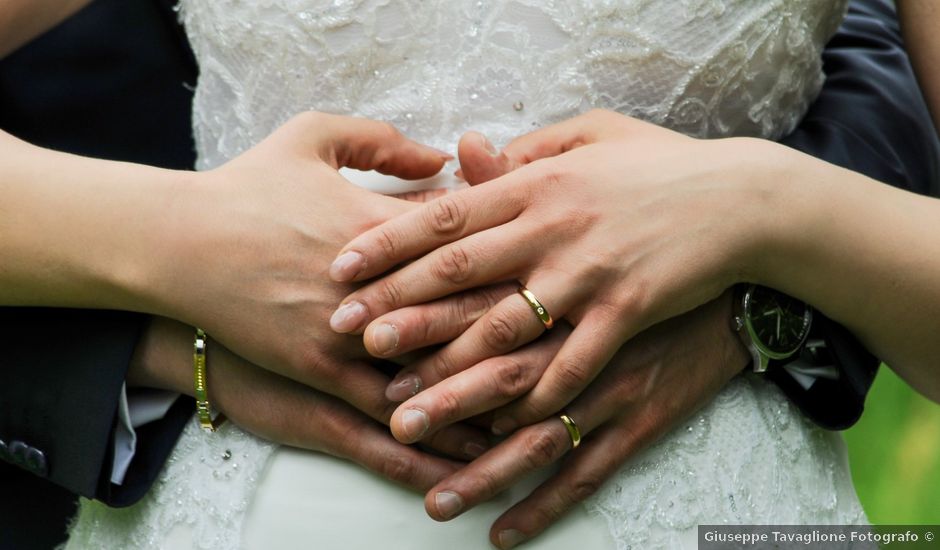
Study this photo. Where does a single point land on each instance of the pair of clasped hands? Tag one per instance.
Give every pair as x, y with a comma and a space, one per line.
313, 283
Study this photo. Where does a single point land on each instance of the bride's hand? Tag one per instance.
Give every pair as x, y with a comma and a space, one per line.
614, 224
246, 248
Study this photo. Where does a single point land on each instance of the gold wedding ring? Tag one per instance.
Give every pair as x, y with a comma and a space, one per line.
537, 307
573, 431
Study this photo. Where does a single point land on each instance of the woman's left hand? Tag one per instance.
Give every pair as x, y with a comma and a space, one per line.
614, 224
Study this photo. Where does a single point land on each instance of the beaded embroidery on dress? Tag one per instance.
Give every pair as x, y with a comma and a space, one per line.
437, 68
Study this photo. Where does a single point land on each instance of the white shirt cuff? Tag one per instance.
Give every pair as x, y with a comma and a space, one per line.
135, 408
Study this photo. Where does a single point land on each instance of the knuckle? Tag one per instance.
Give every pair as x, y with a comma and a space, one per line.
468, 307
545, 515
500, 332
486, 484
313, 365
542, 448
447, 215
573, 373
388, 244
399, 467
387, 131
442, 365
390, 293
454, 265
584, 488
448, 407
511, 377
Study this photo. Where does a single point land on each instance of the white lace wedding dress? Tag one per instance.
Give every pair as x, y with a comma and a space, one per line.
435, 69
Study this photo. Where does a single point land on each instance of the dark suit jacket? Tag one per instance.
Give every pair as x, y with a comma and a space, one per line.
109, 83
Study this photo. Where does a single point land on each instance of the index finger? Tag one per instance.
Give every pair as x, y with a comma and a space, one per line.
439, 222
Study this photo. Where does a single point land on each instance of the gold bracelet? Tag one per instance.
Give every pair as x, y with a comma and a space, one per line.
203, 409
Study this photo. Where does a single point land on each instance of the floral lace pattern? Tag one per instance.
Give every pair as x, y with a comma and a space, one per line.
747, 458
435, 69
205, 487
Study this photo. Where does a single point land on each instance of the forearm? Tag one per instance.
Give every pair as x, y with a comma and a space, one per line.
863, 253
78, 232
23, 20
919, 23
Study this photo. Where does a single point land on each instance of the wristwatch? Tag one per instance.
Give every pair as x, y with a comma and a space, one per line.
772, 325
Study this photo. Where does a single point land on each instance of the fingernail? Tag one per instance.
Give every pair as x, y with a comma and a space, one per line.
474, 449
403, 389
385, 339
490, 148
348, 317
503, 426
347, 266
415, 422
509, 538
448, 504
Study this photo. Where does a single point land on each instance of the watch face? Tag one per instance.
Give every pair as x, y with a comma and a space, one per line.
776, 322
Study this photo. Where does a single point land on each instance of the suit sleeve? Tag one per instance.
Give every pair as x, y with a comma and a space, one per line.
870, 118
111, 82
60, 376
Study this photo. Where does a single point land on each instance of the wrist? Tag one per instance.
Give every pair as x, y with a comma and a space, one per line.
78, 232
735, 352
779, 195
163, 357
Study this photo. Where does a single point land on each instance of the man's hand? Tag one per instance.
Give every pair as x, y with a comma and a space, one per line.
281, 410
653, 383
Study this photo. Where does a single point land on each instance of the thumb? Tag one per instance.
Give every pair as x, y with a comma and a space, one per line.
366, 144
480, 161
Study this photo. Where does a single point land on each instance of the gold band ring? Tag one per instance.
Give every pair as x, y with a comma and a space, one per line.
537, 307
573, 431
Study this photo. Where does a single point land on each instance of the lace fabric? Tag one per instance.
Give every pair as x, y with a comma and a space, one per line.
204, 488
709, 68
747, 458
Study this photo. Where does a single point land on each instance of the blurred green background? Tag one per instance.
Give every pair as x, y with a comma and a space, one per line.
894, 451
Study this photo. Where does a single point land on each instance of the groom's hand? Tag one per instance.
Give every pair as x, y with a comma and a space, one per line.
652, 384
281, 410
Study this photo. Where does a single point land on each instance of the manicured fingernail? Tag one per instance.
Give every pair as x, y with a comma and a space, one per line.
474, 449
415, 422
404, 388
348, 317
448, 504
509, 538
347, 266
385, 339
490, 148
503, 426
